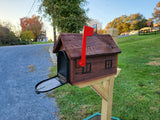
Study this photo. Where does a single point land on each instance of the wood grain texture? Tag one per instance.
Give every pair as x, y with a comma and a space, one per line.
89, 82
95, 45
97, 68
72, 71
107, 86
99, 48
110, 98
100, 90
104, 110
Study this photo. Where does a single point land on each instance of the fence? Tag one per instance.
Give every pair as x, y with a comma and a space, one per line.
144, 32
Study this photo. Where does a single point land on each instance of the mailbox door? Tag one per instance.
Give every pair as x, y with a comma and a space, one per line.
63, 65
49, 84
60, 79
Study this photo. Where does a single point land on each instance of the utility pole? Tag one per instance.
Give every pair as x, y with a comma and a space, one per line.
54, 34
95, 28
158, 21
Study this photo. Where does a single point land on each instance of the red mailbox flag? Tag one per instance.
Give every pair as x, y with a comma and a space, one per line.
88, 31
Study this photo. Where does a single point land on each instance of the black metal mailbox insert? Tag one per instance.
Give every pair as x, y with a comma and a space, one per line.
63, 65
60, 79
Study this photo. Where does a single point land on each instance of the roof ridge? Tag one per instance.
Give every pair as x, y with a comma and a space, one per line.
96, 45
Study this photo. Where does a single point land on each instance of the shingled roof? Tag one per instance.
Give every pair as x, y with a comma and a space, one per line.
95, 45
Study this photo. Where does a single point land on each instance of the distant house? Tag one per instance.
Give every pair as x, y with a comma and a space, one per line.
124, 33
134, 32
156, 25
42, 37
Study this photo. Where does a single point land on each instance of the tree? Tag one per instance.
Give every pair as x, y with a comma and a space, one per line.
7, 37
108, 25
137, 21
66, 16
92, 22
27, 35
156, 14
101, 31
127, 23
151, 21
33, 24
14, 28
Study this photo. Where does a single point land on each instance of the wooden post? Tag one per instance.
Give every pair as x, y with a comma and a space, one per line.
114, 33
104, 102
105, 90
106, 110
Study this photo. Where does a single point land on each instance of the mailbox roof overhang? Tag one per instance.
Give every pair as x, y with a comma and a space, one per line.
95, 45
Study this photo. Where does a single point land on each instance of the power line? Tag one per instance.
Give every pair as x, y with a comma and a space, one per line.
31, 7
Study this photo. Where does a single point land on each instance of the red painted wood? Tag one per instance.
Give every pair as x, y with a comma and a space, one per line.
88, 31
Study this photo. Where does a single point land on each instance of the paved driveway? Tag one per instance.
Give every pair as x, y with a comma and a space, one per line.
21, 67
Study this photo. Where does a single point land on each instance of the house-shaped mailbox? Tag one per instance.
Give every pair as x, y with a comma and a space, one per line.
101, 60
101, 57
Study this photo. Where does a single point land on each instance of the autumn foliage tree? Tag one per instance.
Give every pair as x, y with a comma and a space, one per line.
27, 35
33, 24
151, 21
101, 31
156, 14
127, 23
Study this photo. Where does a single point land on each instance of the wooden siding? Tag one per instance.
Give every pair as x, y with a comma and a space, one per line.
97, 68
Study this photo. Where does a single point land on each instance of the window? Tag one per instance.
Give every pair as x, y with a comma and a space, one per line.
108, 64
87, 68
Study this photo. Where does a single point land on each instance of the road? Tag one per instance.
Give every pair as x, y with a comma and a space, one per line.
123, 36
21, 67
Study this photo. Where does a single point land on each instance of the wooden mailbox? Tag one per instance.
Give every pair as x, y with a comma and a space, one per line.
100, 65
101, 57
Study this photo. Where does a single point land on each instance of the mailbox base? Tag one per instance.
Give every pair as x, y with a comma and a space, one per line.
97, 116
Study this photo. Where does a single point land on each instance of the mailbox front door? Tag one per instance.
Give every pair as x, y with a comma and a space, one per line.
49, 84
63, 76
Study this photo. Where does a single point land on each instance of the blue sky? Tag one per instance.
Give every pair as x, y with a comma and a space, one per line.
103, 10
106, 10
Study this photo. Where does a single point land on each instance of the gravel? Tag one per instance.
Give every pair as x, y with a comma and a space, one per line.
21, 68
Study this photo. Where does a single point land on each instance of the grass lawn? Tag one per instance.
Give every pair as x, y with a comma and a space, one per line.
26, 43
136, 89
41, 42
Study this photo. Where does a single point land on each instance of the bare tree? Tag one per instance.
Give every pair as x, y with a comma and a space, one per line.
93, 22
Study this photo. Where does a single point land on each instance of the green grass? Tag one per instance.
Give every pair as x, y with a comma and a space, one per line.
136, 89
26, 43
41, 42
